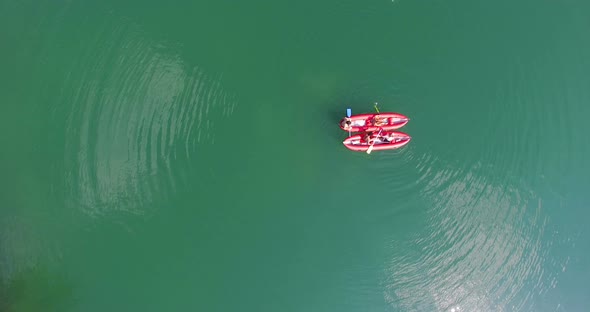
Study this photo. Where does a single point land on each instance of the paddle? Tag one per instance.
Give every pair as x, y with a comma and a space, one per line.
377, 109
372, 144
348, 114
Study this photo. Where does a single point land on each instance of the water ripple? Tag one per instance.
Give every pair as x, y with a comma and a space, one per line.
138, 114
483, 248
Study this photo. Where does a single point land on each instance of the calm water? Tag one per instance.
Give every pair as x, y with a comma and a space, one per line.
186, 156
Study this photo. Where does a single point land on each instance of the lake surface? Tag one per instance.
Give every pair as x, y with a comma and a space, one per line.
186, 156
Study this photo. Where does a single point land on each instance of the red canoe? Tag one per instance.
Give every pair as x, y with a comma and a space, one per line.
368, 122
385, 141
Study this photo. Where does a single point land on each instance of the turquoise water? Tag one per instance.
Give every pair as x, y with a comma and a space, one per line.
187, 157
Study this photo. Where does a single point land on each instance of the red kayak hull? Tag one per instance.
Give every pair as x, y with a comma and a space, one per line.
358, 143
364, 122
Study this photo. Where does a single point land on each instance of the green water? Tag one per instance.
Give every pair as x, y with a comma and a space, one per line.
185, 156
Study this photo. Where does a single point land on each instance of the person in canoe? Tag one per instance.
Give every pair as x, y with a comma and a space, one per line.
379, 121
347, 124
371, 137
368, 138
390, 137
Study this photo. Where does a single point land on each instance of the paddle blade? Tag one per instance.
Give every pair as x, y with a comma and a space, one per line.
348, 112
370, 149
